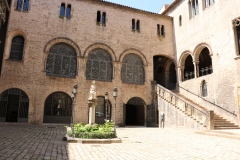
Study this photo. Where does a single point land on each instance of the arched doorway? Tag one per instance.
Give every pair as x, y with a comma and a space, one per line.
135, 112
58, 108
14, 104
165, 72
103, 110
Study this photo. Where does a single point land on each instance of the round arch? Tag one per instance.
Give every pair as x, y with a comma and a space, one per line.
131, 50
198, 49
66, 40
183, 57
58, 108
14, 106
135, 112
101, 46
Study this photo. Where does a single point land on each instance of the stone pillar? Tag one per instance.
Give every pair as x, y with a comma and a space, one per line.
196, 69
92, 106
181, 74
210, 120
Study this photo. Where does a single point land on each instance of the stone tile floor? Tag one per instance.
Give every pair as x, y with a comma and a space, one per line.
44, 142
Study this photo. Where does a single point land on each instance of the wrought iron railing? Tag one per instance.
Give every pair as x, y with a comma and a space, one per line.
207, 101
187, 107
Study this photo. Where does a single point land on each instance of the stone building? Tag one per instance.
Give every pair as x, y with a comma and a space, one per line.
191, 48
52, 45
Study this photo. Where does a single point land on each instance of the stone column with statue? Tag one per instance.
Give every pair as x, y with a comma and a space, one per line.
92, 102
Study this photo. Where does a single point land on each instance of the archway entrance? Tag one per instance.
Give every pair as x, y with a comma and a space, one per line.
58, 108
165, 72
14, 105
135, 112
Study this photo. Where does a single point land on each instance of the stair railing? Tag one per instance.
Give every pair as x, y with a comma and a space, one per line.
192, 110
209, 101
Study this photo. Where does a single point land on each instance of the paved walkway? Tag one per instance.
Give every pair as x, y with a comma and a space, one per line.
24, 142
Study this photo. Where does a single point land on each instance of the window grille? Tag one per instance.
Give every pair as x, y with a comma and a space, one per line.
61, 61
99, 65
68, 11
132, 69
17, 48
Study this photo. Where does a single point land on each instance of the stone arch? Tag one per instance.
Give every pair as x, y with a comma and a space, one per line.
136, 112
198, 50
102, 46
66, 40
170, 75
131, 50
57, 108
183, 57
14, 105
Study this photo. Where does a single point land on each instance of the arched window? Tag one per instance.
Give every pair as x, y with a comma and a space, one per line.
189, 68
26, 5
180, 20
61, 61
99, 65
138, 26
133, 24
132, 69
204, 88
68, 11
19, 5
62, 10
17, 48
205, 62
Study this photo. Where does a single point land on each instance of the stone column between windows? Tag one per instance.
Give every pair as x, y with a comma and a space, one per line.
181, 73
177, 76
196, 69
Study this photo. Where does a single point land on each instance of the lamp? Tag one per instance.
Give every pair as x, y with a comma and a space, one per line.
106, 101
74, 93
115, 92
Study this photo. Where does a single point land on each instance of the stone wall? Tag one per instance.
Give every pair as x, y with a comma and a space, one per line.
41, 27
211, 28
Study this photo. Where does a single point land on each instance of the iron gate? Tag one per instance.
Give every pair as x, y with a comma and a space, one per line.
23, 104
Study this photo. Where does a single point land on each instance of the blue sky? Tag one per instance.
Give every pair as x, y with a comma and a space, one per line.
147, 5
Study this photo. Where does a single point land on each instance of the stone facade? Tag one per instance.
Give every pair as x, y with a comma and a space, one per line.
42, 27
213, 28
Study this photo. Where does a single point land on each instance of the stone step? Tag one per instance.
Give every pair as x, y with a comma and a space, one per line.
230, 127
233, 134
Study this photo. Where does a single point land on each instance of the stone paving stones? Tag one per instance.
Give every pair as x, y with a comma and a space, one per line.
40, 142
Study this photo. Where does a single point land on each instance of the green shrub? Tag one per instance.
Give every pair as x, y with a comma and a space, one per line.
95, 131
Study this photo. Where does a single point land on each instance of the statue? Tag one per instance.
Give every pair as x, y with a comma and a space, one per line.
92, 93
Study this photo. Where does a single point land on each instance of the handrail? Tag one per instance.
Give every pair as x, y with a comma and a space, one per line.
179, 97
207, 100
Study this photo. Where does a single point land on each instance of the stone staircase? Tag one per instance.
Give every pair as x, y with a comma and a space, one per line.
219, 122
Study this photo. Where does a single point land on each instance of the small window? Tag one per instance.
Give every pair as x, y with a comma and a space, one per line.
158, 29
204, 88
238, 38
236, 25
180, 20
138, 26
68, 11
62, 10
162, 31
19, 5
207, 3
26, 5
17, 48
98, 17
104, 19
133, 24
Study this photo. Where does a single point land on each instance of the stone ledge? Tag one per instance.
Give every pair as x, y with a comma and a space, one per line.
93, 141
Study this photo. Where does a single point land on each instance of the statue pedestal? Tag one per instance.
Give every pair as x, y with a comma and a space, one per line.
92, 106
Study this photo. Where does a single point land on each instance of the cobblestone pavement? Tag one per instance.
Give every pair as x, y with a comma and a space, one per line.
25, 141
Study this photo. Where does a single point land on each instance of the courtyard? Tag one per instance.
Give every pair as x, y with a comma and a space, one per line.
44, 142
